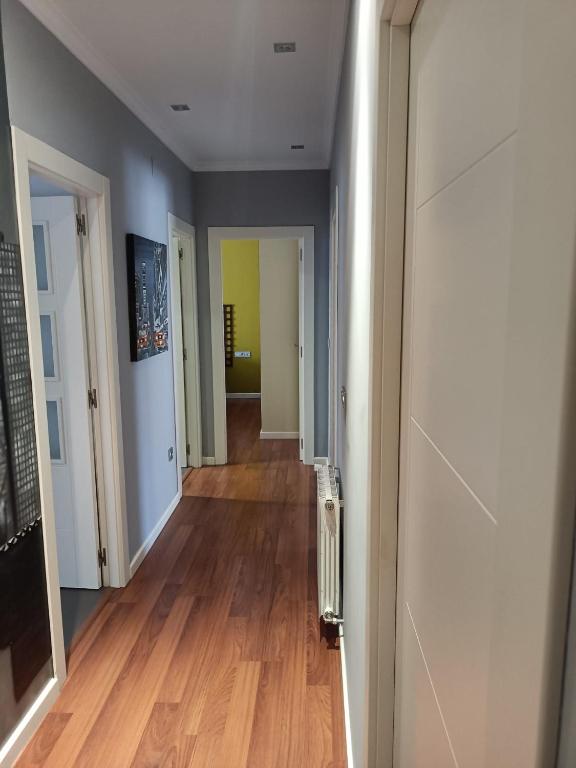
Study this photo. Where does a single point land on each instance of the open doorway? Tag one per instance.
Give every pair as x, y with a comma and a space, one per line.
271, 355
67, 264
260, 293
185, 347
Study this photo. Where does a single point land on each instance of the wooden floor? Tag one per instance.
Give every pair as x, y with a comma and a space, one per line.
211, 656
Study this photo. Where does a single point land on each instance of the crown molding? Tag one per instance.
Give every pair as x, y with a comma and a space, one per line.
69, 35
264, 165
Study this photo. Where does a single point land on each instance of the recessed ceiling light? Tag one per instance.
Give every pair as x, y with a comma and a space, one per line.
284, 47
180, 107
297, 146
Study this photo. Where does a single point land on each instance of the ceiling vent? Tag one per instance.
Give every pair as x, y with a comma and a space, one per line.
180, 107
297, 146
284, 47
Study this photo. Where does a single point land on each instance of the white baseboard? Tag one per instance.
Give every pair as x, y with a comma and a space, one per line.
243, 395
28, 726
157, 530
322, 460
208, 461
279, 435
349, 755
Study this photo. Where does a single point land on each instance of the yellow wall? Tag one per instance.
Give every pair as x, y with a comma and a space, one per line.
241, 287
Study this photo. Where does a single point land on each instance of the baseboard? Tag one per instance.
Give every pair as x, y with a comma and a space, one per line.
29, 724
322, 460
156, 531
279, 435
349, 755
243, 395
208, 461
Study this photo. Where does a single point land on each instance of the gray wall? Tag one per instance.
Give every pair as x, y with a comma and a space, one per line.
265, 199
55, 98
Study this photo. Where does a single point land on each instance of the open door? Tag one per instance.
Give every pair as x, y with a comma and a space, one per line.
68, 402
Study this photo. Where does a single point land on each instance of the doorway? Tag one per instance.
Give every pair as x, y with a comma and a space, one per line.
79, 372
261, 339
185, 346
286, 334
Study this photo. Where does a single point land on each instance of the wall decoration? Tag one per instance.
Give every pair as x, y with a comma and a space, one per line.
148, 293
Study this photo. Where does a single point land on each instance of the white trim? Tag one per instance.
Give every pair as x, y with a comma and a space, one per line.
333, 393
279, 435
208, 461
28, 725
322, 461
188, 321
243, 395
136, 561
346, 701
306, 237
70, 36
32, 153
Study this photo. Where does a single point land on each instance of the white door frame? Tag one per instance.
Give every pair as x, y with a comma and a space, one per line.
305, 235
333, 394
31, 154
184, 319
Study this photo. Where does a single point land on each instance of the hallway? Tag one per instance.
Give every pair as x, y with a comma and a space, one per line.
211, 656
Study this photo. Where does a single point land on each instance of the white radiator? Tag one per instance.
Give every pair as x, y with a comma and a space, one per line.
328, 543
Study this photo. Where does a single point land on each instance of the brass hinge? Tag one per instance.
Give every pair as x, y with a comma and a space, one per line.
92, 399
102, 559
80, 224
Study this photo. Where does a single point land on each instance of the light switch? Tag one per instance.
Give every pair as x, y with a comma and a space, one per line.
243, 354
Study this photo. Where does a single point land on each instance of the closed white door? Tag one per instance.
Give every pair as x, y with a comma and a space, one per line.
279, 338
64, 351
491, 227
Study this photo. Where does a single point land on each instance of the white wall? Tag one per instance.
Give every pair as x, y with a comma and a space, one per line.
279, 348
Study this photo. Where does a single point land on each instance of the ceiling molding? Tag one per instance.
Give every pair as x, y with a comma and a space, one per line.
69, 35
264, 165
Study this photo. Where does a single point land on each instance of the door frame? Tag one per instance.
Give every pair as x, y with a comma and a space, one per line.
31, 154
333, 399
388, 253
184, 309
305, 236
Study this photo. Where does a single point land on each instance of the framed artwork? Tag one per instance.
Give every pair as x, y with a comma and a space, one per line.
148, 297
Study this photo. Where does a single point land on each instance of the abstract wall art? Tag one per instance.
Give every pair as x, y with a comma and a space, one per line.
148, 297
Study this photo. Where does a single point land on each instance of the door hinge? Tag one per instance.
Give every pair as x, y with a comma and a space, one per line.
92, 399
80, 224
187, 449
185, 354
102, 559
300, 254
301, 352
301, 442
180, 253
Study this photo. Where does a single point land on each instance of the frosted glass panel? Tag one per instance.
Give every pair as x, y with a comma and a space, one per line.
47, 346
41, 257
54, 430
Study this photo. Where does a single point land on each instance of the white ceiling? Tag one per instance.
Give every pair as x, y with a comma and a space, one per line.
247, 104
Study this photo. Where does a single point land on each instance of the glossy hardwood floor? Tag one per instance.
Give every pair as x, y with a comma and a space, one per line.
211, 656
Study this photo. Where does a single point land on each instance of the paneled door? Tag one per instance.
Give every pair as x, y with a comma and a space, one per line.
64, 350
487, 477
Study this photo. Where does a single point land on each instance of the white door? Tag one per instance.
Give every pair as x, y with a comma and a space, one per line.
488, 339
279, 338
178, 342
64, 351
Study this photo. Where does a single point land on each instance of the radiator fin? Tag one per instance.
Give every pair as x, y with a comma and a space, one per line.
328, 543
